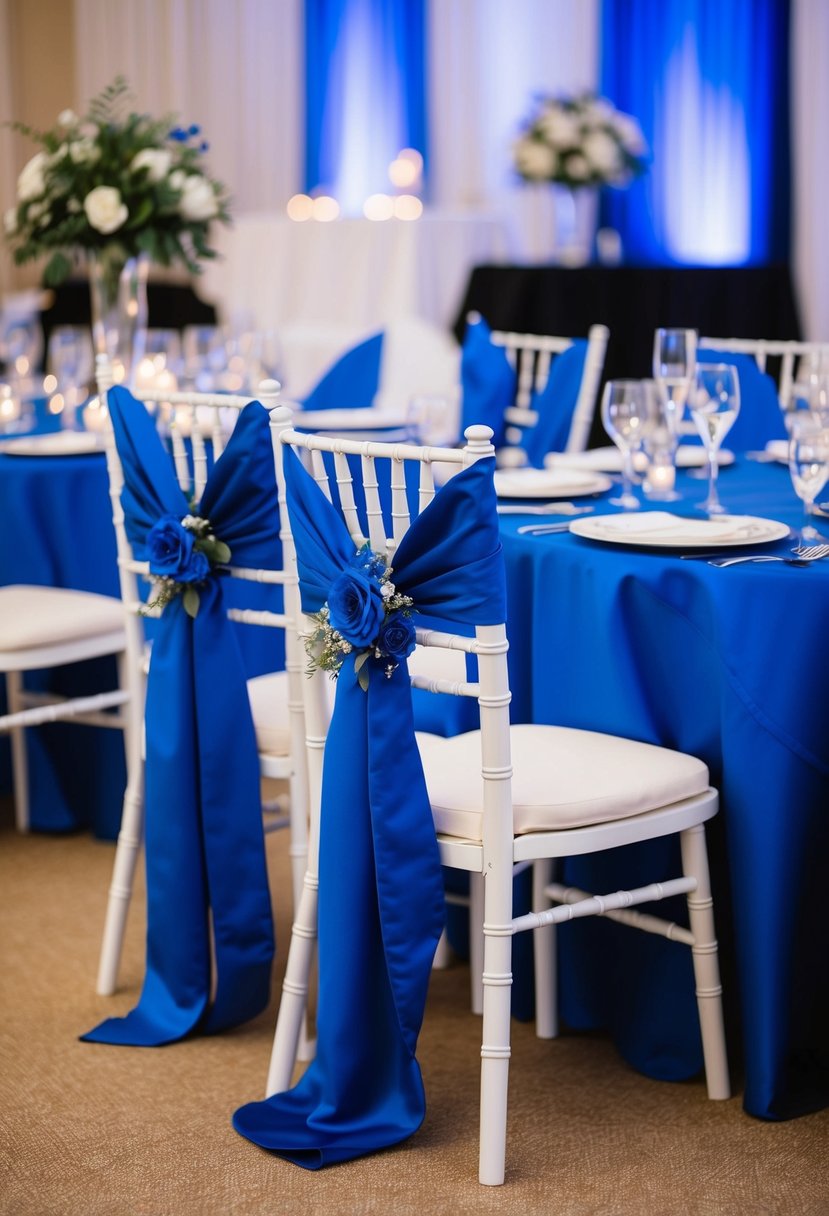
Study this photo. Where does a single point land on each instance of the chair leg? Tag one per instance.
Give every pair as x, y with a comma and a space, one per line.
706, 963
544, 957
476, 941
292, 1006
495, 1047
130, 838
20, 765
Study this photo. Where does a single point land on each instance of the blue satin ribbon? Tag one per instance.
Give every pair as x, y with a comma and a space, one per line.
487, 382
204, 842
381, 906
555, 404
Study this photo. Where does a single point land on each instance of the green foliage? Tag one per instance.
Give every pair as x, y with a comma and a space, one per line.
163, 207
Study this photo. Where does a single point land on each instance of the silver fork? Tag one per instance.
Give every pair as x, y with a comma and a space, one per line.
547, 508
812, 553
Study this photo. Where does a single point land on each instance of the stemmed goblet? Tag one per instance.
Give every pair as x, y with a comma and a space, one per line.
674, 363
625, 410
714, 404
809, 469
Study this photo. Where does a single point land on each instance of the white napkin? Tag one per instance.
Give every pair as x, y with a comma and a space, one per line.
664, 523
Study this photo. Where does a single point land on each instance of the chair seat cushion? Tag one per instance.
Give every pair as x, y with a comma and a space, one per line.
269, 706
563, 778
36, 617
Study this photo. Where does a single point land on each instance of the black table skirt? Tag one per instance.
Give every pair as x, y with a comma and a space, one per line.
723, 302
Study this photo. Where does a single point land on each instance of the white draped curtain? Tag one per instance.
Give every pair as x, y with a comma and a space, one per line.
810, 163
486, 60
232, 66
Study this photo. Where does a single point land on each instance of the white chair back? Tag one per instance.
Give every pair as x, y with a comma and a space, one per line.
531, 356
791, 360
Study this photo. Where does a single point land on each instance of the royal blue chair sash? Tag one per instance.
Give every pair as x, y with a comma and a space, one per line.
204, 841
555, 404
381, 905
352, 381
487, 382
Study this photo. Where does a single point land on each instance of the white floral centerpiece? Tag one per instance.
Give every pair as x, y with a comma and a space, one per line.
114, 179
580, 142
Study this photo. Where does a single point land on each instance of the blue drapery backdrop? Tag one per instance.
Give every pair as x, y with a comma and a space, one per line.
708, 81
365, 65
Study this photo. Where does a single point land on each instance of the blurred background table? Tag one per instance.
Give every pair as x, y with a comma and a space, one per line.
733, 302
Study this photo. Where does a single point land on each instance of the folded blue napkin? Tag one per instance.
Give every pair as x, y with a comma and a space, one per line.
487, 382
555, 405
760, 418
352, 381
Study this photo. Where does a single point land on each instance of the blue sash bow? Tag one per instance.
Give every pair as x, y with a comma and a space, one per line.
204, 841
381, 891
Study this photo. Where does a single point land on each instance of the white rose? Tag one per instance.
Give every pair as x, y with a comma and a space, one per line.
535, 160
67, 118
197, 202
31, 181
82, 150
577, 167
559, 128
104, 209
177, 179
156, 161
602, 152
73, 206
10, 221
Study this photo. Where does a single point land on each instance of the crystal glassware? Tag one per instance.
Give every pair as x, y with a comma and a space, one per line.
659, 443
625, 405
714, 405
809, 469
674, 363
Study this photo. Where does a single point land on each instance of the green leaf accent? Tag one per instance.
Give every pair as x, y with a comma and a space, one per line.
191, 602
360, 661
221, 552
57, 269
362, 678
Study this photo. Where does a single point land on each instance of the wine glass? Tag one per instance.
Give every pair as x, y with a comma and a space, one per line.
809, 469
714, 404
69, 358
674, 362
624, 415
659, 443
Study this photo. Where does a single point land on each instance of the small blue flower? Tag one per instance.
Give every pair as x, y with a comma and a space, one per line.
194, 130
355, 607
397, 637
179, 134
171, 552
204, 146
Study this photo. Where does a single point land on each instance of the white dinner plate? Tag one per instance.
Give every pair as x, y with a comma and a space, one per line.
348, 420
609, 459
60, 443
548, 483
663, 530
778, 449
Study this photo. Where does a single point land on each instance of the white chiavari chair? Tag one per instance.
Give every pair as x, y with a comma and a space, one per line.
202, 423
505, 797
531, 356
791, 360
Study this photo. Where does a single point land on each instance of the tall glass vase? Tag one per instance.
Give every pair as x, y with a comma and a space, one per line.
118, 295
576, 213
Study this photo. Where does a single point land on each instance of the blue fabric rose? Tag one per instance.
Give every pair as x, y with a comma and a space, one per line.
171, 552
397, 637
355, 607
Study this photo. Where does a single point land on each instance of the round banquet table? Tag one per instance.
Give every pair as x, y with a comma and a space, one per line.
730, 665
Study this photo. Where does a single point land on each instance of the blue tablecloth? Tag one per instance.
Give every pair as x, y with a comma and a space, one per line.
732, 666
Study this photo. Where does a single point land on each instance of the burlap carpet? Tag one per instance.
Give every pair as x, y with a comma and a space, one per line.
88, 1130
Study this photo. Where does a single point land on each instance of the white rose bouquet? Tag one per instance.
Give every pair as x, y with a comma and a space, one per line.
580, 141
115, 179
